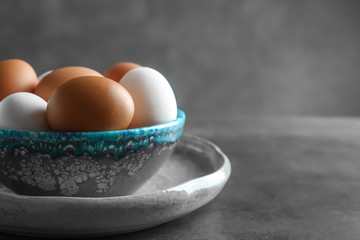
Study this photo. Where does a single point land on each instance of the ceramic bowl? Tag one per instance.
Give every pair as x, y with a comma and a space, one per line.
191, 177
85, 164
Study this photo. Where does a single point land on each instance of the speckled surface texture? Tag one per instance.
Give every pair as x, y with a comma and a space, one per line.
34, 173
90, 164
194, 174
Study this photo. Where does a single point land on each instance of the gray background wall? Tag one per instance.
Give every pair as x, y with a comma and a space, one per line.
225, 57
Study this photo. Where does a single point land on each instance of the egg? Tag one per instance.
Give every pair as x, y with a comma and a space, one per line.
153, 97
117, 71
16, 76
54, 79
23, 111
41, 76
90, 103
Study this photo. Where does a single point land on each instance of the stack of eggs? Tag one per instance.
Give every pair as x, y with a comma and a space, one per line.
79, 99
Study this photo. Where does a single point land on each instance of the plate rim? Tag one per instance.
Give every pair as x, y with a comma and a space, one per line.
213, 181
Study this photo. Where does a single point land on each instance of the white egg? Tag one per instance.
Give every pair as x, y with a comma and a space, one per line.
41, 76
153, 97
23, 111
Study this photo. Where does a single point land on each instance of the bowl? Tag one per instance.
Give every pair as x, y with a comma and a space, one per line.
85, 164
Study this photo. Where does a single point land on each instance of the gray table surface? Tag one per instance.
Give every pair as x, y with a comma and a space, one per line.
292, 178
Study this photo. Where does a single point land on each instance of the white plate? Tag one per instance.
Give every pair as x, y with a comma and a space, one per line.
194, 174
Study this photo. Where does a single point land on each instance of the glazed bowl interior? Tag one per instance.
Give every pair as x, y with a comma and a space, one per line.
86, 164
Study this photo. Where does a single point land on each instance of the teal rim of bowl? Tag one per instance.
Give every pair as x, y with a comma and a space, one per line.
96, 144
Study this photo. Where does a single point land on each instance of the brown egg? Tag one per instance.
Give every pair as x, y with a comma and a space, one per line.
90, 103
117, 71
16, 76
53, 80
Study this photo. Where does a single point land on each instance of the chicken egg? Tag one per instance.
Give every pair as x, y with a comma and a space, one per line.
54, 79
41, 76
23, 111
90, 103
153, 97
117, 71
16, 76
